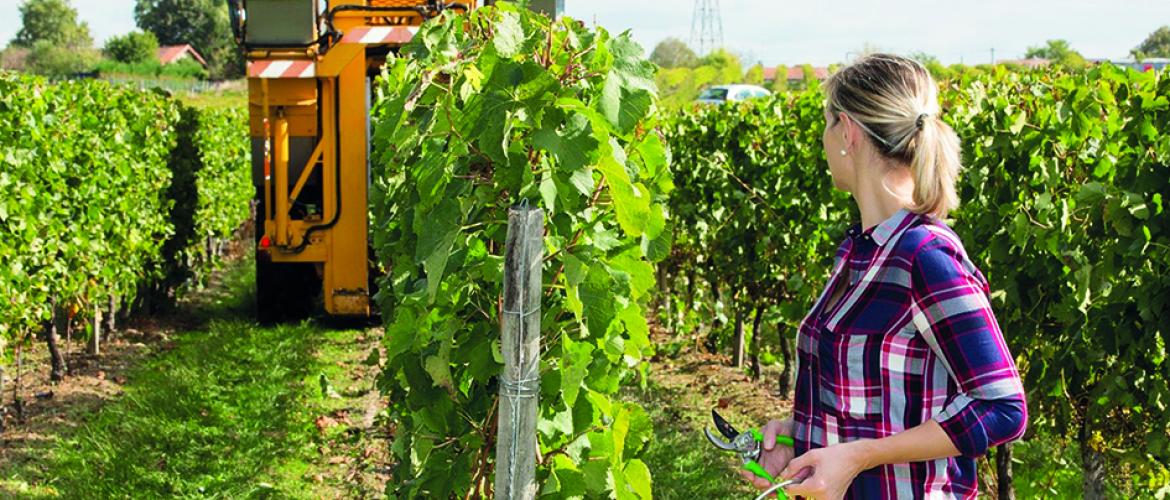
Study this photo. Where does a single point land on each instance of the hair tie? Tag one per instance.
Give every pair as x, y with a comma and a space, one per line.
921, 122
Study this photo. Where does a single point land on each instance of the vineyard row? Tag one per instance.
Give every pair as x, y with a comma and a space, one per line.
113, 197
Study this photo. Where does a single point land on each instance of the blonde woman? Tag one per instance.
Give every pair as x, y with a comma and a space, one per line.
904, 378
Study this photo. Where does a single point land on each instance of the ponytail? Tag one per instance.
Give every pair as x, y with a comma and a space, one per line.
935, 164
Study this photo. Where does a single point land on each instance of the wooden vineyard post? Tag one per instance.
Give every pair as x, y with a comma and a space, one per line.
1003, 472
520, 339
111, 311
96, 338
60, 323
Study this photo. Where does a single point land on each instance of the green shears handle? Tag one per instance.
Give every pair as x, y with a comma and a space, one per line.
757, 469
780, 440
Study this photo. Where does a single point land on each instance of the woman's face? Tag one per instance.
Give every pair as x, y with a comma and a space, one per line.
833, 139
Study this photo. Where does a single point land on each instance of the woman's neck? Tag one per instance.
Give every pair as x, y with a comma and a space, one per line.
879, 201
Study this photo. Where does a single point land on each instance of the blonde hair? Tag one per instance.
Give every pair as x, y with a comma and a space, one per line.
895, 100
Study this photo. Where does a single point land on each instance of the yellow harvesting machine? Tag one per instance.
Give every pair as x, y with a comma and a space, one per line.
311, 67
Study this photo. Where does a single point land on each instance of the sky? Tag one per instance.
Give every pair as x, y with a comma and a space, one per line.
821, 32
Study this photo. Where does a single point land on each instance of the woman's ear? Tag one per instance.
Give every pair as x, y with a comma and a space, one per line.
848, 130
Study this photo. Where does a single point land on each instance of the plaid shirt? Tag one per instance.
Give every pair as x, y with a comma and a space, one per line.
912, 338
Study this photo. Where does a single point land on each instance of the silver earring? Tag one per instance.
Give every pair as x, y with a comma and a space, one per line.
844, 153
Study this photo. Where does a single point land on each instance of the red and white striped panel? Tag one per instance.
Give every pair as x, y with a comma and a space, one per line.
380, 35
282, 69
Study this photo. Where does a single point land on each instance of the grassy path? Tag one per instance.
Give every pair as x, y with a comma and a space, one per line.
225, 410
682, 390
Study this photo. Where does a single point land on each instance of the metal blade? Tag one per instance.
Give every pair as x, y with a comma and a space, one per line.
719, 443
724, 428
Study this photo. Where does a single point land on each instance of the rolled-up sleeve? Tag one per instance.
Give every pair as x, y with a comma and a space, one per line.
953, 314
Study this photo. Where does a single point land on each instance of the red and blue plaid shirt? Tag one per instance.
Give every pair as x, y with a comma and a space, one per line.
912, 338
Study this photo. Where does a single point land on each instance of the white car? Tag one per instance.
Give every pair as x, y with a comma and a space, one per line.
720, 94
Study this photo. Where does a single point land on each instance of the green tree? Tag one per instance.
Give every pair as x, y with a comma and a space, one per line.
780, 84
923, 57
52, 21
133, 47
50, 59
810, 76
1052, 49
932, 64
755, 75
1155, 45
674, 53
726, 65
201, 23
1059, 52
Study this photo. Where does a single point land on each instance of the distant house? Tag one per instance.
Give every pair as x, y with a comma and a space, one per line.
175, 53
1149, 64
13, 58
1030, 63
795, 74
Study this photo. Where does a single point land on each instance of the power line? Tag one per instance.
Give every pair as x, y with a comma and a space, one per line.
706, 27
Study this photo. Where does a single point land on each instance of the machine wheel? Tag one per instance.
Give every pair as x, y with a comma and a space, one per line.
284, 292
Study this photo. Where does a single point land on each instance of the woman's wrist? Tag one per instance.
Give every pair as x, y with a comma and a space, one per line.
865, 454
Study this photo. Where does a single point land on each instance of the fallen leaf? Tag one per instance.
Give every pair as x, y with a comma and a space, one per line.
325, 422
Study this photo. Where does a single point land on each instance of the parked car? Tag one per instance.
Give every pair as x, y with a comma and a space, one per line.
720, 94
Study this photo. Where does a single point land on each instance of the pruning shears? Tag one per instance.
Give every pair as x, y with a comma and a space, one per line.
748, 445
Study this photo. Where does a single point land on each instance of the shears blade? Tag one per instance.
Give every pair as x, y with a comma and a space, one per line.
724, 427
719, 443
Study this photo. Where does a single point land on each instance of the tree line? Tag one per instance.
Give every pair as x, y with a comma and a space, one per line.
55, 42
684, 74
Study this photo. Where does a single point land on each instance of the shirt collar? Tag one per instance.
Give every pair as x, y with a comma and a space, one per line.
881, 233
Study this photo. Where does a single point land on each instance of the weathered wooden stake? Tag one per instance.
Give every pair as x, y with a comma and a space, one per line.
1003, 472
755, 350
2, 373
96, 339
786, 355
737, 353
18, 389
60, 323
111, 314
520, 338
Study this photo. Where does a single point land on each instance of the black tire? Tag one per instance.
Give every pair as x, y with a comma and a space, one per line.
284, 292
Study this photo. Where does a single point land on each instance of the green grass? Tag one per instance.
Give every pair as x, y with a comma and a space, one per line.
684, 465
221, 99
228, 412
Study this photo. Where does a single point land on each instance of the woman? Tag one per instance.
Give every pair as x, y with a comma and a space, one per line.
904, 378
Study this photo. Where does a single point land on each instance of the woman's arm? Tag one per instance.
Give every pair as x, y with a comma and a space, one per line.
954, 318
834, 468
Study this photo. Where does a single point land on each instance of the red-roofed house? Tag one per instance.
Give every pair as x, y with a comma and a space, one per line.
1032, 63
795, 74
175, 53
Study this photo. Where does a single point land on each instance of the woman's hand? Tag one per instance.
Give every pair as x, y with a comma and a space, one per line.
832, 470
773, 457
